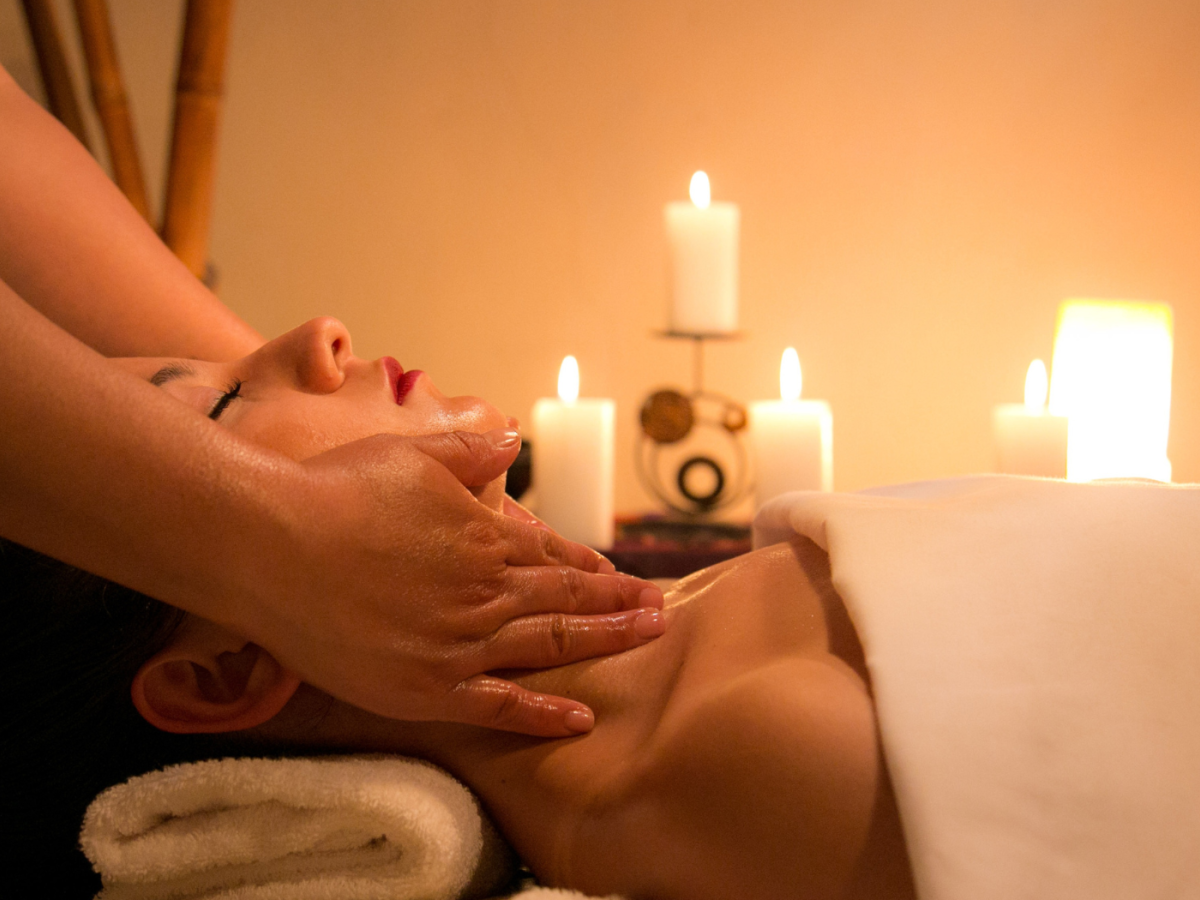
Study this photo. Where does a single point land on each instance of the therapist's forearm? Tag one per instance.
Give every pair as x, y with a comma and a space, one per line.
73, 248
105, 472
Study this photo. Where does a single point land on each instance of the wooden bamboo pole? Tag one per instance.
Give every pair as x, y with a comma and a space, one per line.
52, 61
112, 106
192, 170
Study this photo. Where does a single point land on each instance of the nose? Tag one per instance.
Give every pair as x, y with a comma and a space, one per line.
321, 349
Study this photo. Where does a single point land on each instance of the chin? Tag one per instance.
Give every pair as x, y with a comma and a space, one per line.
475, 414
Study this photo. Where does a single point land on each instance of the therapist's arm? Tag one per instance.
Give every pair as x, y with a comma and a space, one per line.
370, 571
73, 248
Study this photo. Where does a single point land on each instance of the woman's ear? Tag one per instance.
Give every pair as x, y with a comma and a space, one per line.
209, 679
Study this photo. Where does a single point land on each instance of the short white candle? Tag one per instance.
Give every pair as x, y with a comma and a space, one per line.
573, 462
792, 438
1029, 440
703, 241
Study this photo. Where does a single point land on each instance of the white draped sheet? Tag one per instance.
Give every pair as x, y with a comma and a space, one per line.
1034, 650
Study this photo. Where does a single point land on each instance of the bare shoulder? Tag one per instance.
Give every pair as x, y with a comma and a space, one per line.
776, 600
764, 776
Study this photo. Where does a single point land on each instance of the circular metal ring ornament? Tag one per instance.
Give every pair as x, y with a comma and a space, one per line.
670, 417
702, 500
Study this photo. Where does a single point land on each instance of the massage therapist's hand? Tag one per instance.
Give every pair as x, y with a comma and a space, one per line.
516, 511
426, 590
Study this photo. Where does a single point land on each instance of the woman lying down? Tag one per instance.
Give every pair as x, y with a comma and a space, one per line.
734, 756
738, 755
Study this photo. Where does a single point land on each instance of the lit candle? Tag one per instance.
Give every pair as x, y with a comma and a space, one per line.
703, 240
573, 461
1029, 440
1112, 377
792, 438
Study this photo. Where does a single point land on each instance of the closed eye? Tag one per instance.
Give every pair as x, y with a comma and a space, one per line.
225, 399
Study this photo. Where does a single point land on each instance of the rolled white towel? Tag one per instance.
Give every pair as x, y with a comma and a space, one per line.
331, 828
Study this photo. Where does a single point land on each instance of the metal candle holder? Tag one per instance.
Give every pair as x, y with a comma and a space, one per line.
670, 417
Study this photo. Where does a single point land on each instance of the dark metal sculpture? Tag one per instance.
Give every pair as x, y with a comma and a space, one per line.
694, 482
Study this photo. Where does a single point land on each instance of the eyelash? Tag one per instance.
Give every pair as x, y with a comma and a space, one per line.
226, 398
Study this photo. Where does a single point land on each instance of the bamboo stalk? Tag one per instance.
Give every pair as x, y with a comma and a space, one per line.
188, 208
56, 76
112, 105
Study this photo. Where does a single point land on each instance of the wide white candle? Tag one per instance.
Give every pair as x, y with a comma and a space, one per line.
792, 438
703, 241
1029, 440
573, 461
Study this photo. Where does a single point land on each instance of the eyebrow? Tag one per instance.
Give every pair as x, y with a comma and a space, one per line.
170, 372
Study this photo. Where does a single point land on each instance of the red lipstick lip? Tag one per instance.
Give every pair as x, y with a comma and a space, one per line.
395, 372
406, 383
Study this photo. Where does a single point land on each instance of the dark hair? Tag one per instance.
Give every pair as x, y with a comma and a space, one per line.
72, 645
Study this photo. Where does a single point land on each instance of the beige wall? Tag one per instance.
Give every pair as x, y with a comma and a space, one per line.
477, 188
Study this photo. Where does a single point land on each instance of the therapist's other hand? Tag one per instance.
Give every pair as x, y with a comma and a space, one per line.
426, 590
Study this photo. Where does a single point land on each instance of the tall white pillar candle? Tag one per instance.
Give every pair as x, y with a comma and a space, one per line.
1029, 440
573, 462
792, 438
703, 241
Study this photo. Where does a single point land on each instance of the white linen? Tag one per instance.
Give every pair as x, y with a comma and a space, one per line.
1034, 650
331, 828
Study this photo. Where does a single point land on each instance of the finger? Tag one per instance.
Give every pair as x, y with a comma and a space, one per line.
556, 589
515, 510
474, 459
495, 703
542, 642
530, 546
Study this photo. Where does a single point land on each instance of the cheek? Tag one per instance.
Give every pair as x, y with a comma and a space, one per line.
304, 430
305, 426
300, 440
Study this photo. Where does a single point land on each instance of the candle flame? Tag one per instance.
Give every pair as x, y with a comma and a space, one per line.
1037, 385
700, 191
568, 380
790, 379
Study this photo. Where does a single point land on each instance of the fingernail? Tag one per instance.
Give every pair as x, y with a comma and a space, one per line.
579, 721
649, 624
651, 597
514, 422
505, 439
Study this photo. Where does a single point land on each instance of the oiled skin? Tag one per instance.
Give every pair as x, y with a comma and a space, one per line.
735, 757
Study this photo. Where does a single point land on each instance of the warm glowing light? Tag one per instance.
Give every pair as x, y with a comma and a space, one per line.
1112, 377
568, 380
700, 191
1036, 387
790, 379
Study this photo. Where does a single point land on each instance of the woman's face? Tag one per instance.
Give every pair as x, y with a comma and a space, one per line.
305, 392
